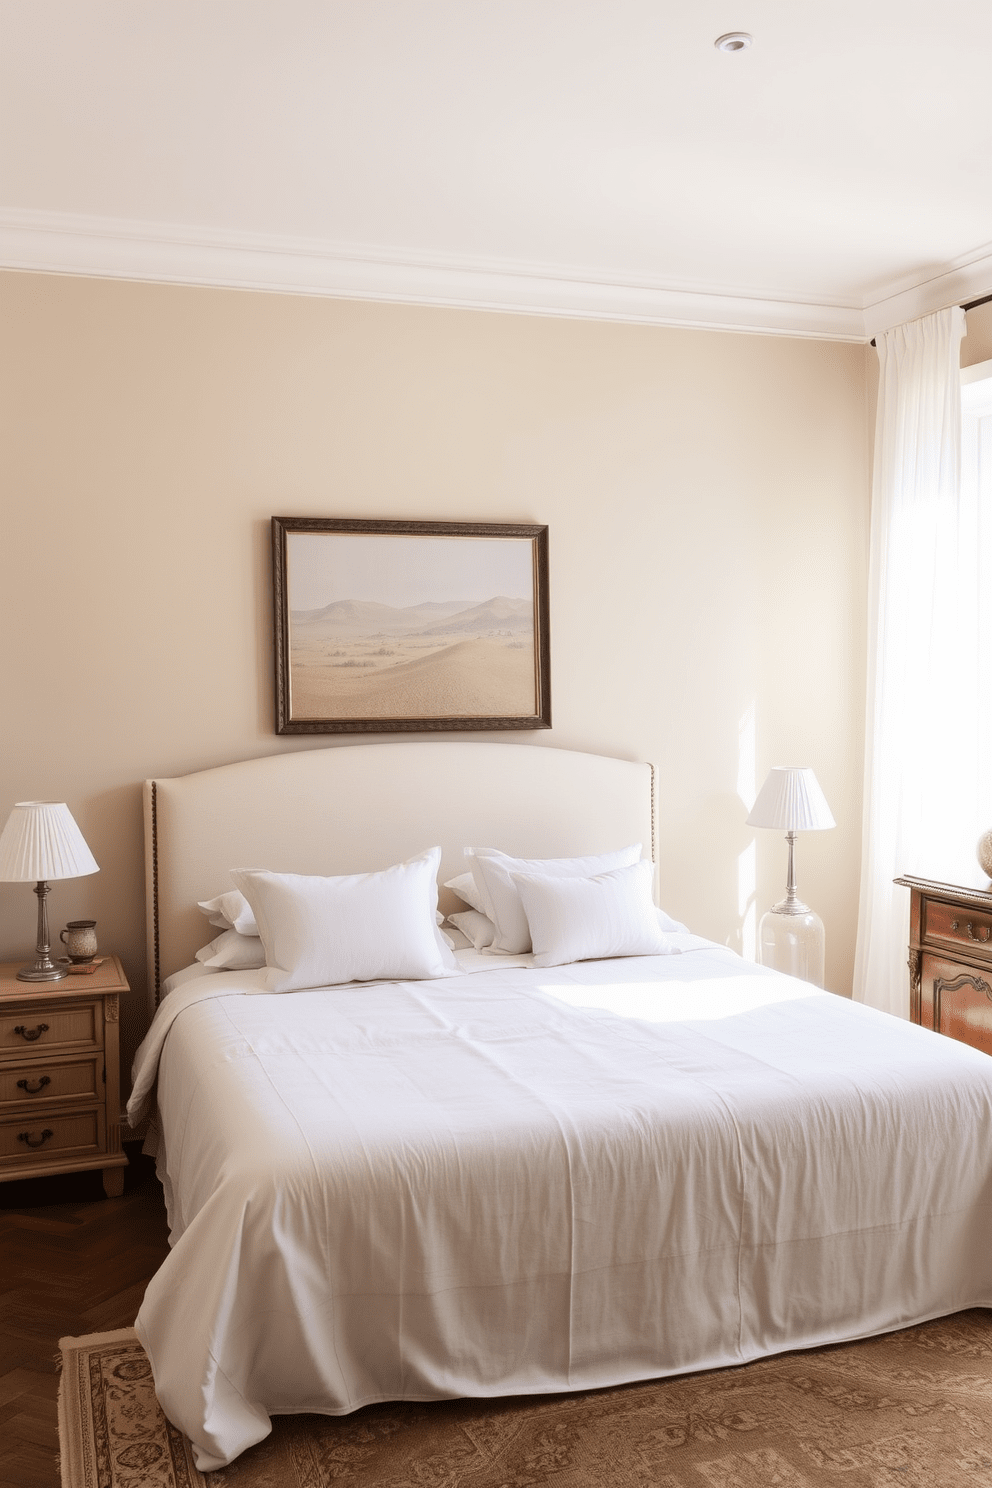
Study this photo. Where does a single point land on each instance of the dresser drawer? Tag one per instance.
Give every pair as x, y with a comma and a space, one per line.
51, 1081
36, 1135
59, 1027
963, 927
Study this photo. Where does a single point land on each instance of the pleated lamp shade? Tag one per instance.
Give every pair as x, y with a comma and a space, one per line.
792, 801
40, 842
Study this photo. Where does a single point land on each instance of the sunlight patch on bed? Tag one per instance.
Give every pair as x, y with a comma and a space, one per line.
679, 1002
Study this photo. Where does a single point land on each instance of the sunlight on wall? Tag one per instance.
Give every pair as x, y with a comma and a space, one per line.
747, 863
746, 754
747, 884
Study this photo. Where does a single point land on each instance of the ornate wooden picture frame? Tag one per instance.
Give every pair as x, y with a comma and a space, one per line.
410, 626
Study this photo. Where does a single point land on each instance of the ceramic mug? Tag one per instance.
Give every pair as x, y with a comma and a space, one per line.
79, 939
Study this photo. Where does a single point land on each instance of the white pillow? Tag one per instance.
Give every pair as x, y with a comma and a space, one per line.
475, 926
361, 927
188, 974
232, 952
672, 927
457, 940
230, 911
494, 877
465, 887
586, 919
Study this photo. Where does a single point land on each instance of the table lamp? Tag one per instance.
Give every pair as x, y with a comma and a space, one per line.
791, 936
41, 842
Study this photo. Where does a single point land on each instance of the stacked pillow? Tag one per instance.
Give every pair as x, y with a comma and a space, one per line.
592, 919
231, 912
474, 923
311, 931
495, 879
239, 948
563, 909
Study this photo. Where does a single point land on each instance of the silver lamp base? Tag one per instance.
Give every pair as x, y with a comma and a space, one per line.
38, 971
43, 968
791, 937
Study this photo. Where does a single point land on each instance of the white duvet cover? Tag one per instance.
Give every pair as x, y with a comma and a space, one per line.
531, 1181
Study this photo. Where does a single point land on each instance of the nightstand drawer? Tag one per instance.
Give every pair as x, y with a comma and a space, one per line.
64, 1134
58, 1027
968, 929
44, 1081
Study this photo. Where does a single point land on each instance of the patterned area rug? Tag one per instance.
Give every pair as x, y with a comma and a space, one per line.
912, 1409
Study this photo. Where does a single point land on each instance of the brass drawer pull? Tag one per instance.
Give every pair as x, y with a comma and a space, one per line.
26, 1137
31, 1033
969, 930
24, 1085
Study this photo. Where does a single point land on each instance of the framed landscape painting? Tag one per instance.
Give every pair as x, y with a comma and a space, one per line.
385, 626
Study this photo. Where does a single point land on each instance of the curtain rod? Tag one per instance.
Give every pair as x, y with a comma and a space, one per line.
971, 305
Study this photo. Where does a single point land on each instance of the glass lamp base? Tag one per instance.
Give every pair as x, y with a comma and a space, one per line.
793, 943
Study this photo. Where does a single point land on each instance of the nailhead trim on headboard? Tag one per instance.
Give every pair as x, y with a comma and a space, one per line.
158, 968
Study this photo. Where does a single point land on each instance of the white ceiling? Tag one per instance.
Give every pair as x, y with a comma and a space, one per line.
591, 157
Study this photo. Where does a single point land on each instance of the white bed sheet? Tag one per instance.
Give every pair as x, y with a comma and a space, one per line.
529, 1181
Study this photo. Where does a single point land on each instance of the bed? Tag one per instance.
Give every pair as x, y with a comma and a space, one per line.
516, 1179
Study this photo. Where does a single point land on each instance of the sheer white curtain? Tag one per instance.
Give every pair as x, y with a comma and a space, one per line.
923, 783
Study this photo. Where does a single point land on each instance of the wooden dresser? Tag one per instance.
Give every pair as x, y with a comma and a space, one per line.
950, 959
59, 1075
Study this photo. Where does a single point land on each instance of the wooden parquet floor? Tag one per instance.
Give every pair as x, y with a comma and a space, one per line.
71, 1262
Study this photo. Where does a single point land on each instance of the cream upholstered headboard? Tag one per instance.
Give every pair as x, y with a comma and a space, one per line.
362, 807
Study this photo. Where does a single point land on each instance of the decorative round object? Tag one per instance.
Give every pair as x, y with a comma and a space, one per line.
79, 939
984, 852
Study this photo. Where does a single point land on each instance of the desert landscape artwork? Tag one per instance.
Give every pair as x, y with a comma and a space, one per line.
390, 625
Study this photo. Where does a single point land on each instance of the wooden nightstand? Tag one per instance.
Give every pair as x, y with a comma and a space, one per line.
60, 1075
950, 959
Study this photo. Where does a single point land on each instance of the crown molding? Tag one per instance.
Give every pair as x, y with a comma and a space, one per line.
966, 278
104, 247
57, 243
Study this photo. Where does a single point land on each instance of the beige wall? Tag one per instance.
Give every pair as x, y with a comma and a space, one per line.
706, 496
